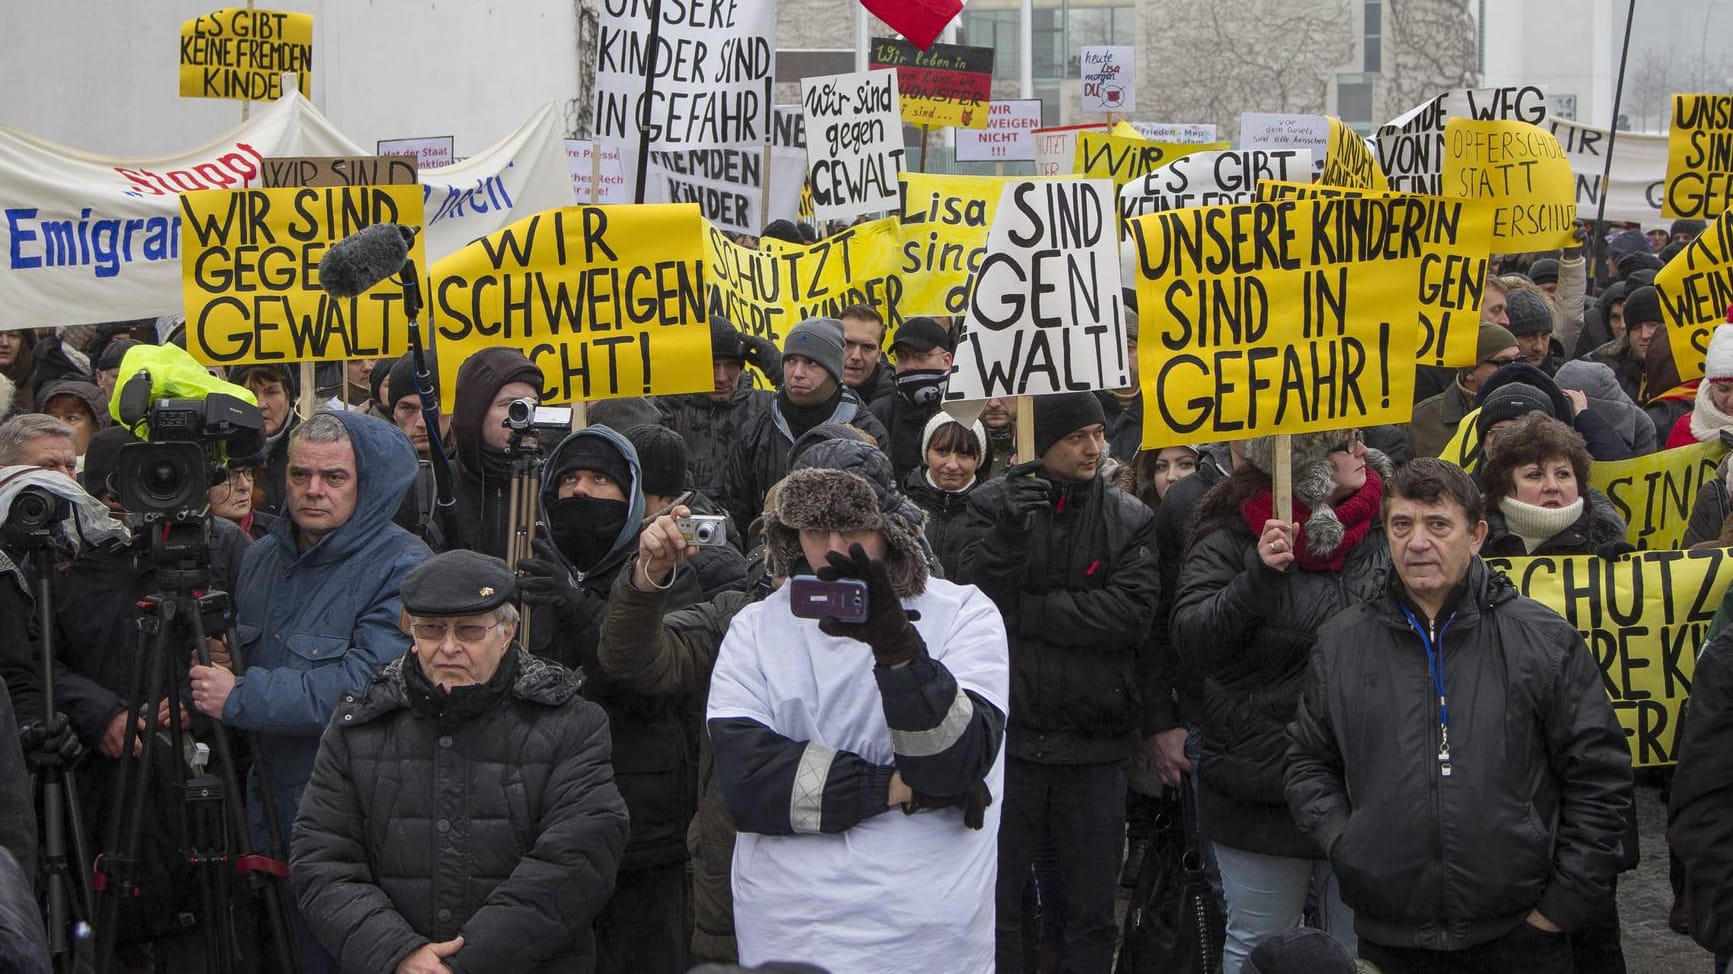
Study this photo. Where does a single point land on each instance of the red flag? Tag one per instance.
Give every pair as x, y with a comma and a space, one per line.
921, 21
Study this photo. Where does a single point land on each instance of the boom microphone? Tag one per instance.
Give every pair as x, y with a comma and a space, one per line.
364, 258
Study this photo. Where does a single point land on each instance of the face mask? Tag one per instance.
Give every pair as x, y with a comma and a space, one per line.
585, 528
923, 387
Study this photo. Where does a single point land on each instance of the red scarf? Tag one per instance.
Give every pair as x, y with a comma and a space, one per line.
1356, 514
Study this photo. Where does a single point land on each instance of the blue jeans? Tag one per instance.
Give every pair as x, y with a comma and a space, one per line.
1267, 894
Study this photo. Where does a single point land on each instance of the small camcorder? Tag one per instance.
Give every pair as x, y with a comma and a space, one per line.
844, 600
523, 415
708, 530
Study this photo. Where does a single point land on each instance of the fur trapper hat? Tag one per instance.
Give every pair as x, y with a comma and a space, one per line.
833, 500
1314, 481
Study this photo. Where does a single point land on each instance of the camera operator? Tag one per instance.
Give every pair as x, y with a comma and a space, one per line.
318, 606
488, 383
39, 440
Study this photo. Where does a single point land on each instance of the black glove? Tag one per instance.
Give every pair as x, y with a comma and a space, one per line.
50, 745
543, 582
763, 355
1024, 495
974, 803
887, 628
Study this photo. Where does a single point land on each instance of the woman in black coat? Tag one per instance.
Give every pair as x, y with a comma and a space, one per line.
1252, 594
953, 457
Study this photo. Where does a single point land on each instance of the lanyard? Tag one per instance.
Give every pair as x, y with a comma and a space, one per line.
1435, 666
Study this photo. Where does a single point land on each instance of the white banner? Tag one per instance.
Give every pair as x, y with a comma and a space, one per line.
1046, 314
1109, 78
89, 238
1410, 147
1212, 179
1639, 171
715, 64
854, 143
1006, 137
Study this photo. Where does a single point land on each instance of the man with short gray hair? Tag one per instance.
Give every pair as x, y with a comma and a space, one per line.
317, 606
38, 440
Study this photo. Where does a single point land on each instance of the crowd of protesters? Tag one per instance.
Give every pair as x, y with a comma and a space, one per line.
654, 743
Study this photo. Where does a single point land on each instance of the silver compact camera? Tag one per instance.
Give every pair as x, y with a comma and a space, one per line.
710, 530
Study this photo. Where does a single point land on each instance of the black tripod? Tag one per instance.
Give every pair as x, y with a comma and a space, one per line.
66, 899
211, 819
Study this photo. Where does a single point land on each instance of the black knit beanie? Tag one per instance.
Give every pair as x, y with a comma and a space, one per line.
661, 459
1057, 417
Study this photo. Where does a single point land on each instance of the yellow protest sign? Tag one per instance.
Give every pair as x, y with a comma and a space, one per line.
1124, 158
608, 300
1349, 162
1463, 449
1126, 130
242, 54
1284, 317
1654, 493
1643, 617
1451, 288
766, 292
1696, 289
1699, 181
1523, 169
944, 235
250, 274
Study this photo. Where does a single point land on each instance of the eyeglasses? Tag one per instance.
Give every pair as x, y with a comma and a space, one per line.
1504, 360
468, 632
1355, 438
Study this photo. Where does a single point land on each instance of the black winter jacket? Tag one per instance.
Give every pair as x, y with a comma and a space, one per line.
904, 422
712, 431
1077, 588
1710, 510
1532, 812
505, 827
1250, 631
1124, 426
1700, 813
881, 383
944, 510
1598, 528
760, 456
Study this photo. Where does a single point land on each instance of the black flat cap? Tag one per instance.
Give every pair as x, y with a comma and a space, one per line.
458, 583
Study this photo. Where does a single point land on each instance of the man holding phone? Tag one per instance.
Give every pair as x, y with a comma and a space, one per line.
816, 737
1068, 558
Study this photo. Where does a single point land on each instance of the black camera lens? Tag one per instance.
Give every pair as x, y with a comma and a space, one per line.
161, 478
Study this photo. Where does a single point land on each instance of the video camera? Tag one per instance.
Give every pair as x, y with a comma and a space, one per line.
192, 423
31, 520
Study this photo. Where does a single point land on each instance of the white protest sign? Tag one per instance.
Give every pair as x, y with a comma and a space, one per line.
1410, 147
429, 153
1273, 130
1006, 137
1212, 179
1046, 314
714, 68
854, 143
728, 184
1109, 78
87, 238
1177, 133
787, 162
1639, 173
1056, 148
612, 188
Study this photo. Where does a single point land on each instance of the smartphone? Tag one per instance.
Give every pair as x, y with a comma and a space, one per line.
844, 600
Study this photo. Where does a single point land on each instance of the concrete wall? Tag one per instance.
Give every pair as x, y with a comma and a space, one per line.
102, 75
1565, 46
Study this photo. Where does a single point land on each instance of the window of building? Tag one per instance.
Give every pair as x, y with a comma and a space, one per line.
1373, 35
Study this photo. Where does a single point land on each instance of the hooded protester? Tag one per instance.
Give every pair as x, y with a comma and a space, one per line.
488, 383
812, 393
922, 349
711, 422
1596, 381
80, 405
317, 607
1519, 388
275, 387
1603, 320
954, 457
1253, 593
1711, 415
592, 501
